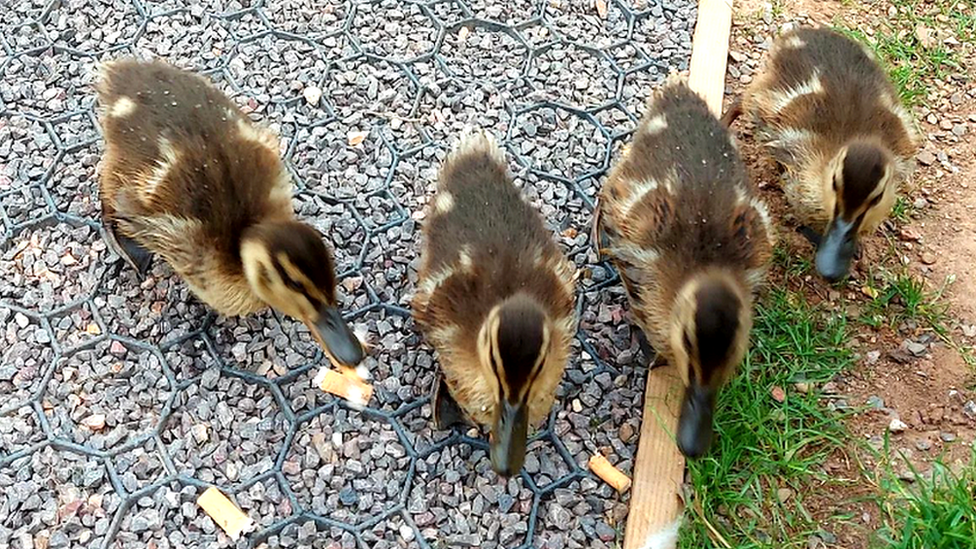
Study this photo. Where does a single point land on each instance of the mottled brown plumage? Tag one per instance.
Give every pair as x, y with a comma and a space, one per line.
495, 296
680, 221
187, 176
826, 111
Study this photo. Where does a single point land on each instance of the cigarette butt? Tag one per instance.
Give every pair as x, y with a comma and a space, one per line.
360, 370
225, 513
345, 386
610, 474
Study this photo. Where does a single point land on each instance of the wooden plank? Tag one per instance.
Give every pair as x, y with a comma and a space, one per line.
655, 505
710, 51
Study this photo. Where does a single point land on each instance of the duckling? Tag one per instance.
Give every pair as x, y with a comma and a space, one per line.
495, 298
830, 117
680, 221
188, 177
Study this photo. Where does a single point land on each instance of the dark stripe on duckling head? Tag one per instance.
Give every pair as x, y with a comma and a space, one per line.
716, 324
864, 166
520, 338
304, 249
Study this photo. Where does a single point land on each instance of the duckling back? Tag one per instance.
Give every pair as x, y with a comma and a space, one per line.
185, 173
819, 92
181, 146
678, 204
483, 244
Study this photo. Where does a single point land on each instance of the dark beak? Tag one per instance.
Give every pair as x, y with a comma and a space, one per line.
335, 336
695, 423
836, 249
508, 437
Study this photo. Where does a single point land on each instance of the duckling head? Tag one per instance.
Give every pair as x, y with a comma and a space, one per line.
287, 265
710, 327
861, 187
513, 346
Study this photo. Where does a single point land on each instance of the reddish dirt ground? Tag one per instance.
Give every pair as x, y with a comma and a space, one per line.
938, 242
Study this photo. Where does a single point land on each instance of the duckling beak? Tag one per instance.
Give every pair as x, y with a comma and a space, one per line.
695, 423
335, 336
836, 249
508, 437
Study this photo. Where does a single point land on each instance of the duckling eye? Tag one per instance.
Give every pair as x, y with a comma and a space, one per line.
294, 286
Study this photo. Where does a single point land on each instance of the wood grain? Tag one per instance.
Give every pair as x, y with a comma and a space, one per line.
710, 51
655, 503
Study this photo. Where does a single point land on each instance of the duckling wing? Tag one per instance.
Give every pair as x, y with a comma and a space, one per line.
177, 236
482, 244
821, 89
185, 171
680, 202
184, 147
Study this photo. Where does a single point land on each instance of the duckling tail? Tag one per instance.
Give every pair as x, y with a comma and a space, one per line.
733, 112
477, 142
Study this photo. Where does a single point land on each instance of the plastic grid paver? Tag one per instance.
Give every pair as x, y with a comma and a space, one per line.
57, 374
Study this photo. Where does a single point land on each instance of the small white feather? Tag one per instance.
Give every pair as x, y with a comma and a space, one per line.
363, 373
666, 538
317, 381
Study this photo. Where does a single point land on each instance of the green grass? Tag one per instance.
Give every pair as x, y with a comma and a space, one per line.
911, 65
763, 445
902, 297
902, 210
793, 264
964, 24
937, 511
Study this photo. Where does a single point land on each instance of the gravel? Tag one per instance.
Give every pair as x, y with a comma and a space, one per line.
475, 53
19, 429
28, 152
191, 41
579, 22
398, 32
26, 360
141, 467
245, 429
70, 26
592, 80
557, 143
298, 17
155, 389
513, 13
47, 266
347, 466
61, 496
128, 391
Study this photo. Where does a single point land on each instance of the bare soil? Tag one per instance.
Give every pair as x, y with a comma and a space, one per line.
938, 243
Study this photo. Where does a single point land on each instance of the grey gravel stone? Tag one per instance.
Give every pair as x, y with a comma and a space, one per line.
875, 402
916, 348
58, 539
970, 409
